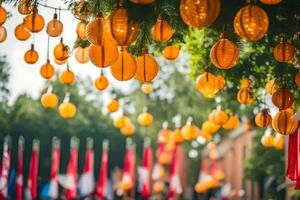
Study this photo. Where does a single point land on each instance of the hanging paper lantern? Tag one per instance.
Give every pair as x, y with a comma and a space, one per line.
49, 100
123, 30
219, 175
142, 1
31, 56
221, 82
284, 51
34, 22
164, 135
213, 154
128, 130
67, 110
67, 77
283, 98
267, 140
3, 34
201, 188
121, 121
284, 122
105, 55
190, 131
162, 31
271, 87
165, 158
81, 30
47, 71
171, 52
61, 51
147, 88
3, 15
54, 27
219, 117
145, 119
158, 187
224, 54
201, 13
279, 142
207, 83
263, 118
210, 127
82, 55
125, 67
297, 79
101, 83
270, 2
25, 7
21, 32
251, 23
147, 67
177, 136
113, 106
232, 123
245, 96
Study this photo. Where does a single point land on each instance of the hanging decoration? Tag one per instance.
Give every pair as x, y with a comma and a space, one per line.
25, 7
245, 95
61, 51
3, 15
176, 136
297, 79
162, 31
47, 70
128, 130
113, 105
101, 83
145, 118
189, 131
49, 99
31, 56
263, 118
104, 55
283, 98
267, 139
3, 34
147, 88
54, 27
21, 32
279, 142
271, 87
232, 123
82, 55
67, 77
171, 52
147, 67
218, 117
121, 122
284, 51
164, 135
208, 84
284, 122
67, 110
34, 22
210, 127
81, 30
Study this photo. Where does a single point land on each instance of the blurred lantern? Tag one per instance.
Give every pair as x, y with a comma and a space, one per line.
284, 51
145, 118
270, 2
142, 1
165, 158
49, 99
3, 15
121, 122
34, 22
211, 145
125, 67
224, 54
297, 79
67, 110
127, 185
21, 32
47, 71
271, 87
171, 52
267, 140
208, 84
210, 127
104, 55
283, 98
31, 56
158, 187
113, 105
164, 135
147, 67
190, 131
245, 95
61, 51
284, 122
205, 135
212, 183
171, 145
221, 82
232, 123
123, 30
176, 136
81, 30
162, 31
82, 55
213, 154
263, 118
219, 175
60, 62
54, 27
67, 77
25, 7
251, 22
101, 83
245, 83
219, 117
201, 188
3, 34
147, 88
128, 130
201, 13
279, 142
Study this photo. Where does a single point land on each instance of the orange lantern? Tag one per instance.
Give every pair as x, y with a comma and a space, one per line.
245, 83
47, 71
67, 77
105, 55
232, 123
164, 136
82, 55
31, 56
219, 117
34, 22
208, 84
219, 175
81, 30
61, 51
162, 31
221, 82
210, 127
297, 79
212, 183
128, 130
165, 158
171, 52
245, 96
101, 83
147, 88
283, 98
284, 51
270, 2
267, 140
121, 121
21, 32
271, 87
201, 188
176, 136
158, 187
213, 154
67, 109
142, 1
263, 118
3, 15
279, 142
125, 66
3, 34
284, 122
49, 100
54, 27
145, 119
251, 22
147, 67
127, 185
201, 13
190, 131
113, 106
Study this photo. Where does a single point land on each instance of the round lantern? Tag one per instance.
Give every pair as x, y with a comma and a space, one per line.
207, 83
271, 87
221, 82
145, 119
3, 34
128, 130
67, 110
147, 88
232, 123
82, 55
49, 100
270, 2
125, 66
263, 118
67, 77
210, 127
61, 51
212, 183
190, 131
284, 51
219, 175
162, 31
101, 83
245, 96
147, 67
176, 136
158, 187
165, 158
34, 22
31, 56
245, 83
297, 79
81, 30
164, 136
123, 30
21, 32
267, 140
224, 54
121, 121
25, 7
171, 52
113, 106
47, 71
3, 15
283, 98
105, 55
284, 122
142, 1
251, 23
54, 27
201, 188
279, 142
127, 185
201, 13
219, 117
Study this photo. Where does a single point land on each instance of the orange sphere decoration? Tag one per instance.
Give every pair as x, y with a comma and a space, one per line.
31, 56
284, 51
271, 87
245, 96
210, 127
267, 140
201, 188
283, 98
284, 122
162, 31
221, 82
297, 79
171, 52
158, 187
47, 71
54, 27
279, 142
165, 158
49, 100
105, 55
128, 130
125, 67
147, 67
232, 123
67, 110
224, 54
176, 136
34, 22
98, 31
208, 84
190, 132
123, 30
61, 51
67, 77
164, 136
113, 106
101, 83
219, 117
3, 34
3, 15
270, 2
200, 13
82, 55
147, 88
81, 30
263, 119
251, 23
219, 175
121, 121
21, 32
142, 1
145, 119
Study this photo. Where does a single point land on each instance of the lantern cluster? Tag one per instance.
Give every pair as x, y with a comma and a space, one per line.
268, 140
126, 127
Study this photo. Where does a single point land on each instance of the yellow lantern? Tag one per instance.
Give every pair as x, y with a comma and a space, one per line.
147, 67
113, 105
101, 83
165, 158
121, 121
190, 131
67, 109
279, 142
145, 119
82, 55
127, 185
219, 175
271, 87
207, 83
210, 127
147, 88
201, 188
232, 123
54, 27
267, 140
49, 100
67, 77
164, 136
128, 130
162, 31
47, 71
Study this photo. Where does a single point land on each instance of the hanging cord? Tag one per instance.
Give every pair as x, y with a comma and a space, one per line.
52, 7
48, 47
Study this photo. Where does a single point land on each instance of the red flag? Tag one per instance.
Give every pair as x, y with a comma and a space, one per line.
102, 180
53, 187
33, 171
145, 171
19, 182
5, 168
175, 184
129, 168
71, 192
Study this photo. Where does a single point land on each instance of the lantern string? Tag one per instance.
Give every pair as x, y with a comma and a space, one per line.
52, 7
48, 46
